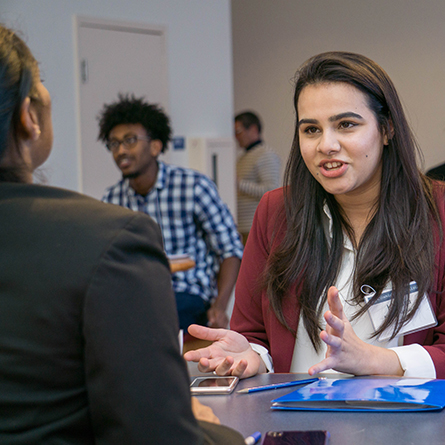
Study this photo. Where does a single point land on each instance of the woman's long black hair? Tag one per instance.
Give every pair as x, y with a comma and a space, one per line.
397, 245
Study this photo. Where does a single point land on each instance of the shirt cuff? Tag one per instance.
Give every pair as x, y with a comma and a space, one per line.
265, 356
415, 361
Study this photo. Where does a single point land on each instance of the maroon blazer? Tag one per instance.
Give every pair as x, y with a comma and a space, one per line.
253, 317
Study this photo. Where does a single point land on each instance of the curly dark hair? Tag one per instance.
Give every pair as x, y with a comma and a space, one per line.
131, 110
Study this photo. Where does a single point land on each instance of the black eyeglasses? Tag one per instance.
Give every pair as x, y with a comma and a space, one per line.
128, 142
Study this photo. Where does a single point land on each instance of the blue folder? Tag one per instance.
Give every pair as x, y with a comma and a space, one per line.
366, 394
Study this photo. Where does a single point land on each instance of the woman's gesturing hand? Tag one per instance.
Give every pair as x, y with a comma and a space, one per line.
229, 354
346, 352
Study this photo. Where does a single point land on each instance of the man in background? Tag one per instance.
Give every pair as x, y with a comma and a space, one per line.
186, 205
257, 169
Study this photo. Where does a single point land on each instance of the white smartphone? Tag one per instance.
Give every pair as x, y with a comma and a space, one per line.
213, 385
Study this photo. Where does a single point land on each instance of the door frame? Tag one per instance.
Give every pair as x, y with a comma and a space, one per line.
80, 21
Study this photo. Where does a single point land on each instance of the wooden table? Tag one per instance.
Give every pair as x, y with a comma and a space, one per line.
181, 264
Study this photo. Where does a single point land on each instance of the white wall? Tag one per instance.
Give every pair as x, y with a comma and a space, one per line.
199, 64
271, 39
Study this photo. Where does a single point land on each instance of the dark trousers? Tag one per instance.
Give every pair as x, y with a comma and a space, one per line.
192, 309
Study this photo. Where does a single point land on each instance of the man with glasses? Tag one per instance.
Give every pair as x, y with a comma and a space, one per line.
186, 205
257, 169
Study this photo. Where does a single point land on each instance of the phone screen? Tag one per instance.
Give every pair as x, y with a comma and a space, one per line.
316, 437
213, 385
212, 381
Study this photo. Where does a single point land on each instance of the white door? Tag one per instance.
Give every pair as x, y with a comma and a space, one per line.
114, 58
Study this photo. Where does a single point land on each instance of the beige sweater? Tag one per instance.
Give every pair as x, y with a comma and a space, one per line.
258, 171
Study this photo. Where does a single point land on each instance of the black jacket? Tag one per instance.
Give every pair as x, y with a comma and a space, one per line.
88, 326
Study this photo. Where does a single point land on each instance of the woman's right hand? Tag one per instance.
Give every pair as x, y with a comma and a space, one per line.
229, 354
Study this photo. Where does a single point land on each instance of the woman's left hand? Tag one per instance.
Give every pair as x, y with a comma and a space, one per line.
348, 353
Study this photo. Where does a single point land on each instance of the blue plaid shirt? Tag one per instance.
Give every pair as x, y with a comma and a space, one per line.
193, 220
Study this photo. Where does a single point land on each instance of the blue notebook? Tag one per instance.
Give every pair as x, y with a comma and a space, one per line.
366, 394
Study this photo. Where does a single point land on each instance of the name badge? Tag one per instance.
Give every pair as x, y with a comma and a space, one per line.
424, 317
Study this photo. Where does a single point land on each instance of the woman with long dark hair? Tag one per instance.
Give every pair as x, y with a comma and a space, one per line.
344, 267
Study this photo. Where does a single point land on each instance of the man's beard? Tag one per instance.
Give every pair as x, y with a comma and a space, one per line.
133, 175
